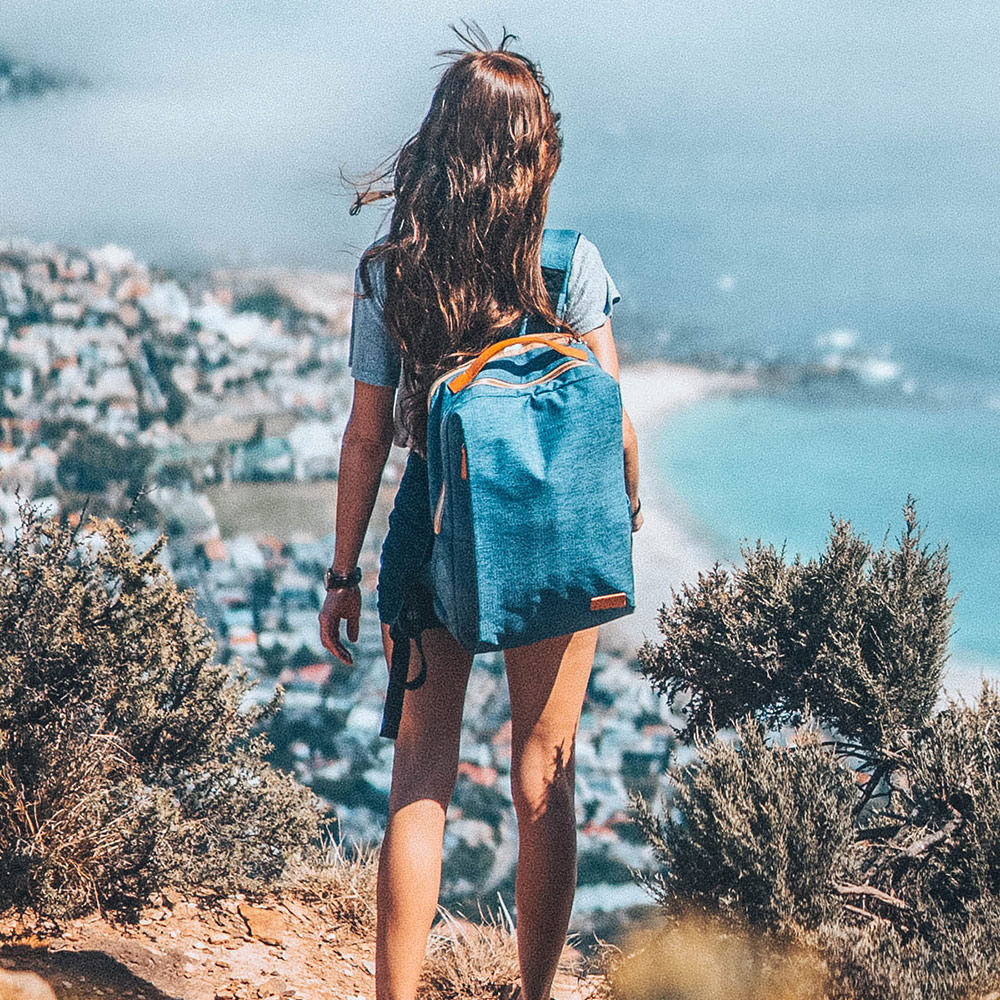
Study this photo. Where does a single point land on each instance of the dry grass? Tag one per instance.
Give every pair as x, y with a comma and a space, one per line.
467, 960
700, 959
344, 879
594, 971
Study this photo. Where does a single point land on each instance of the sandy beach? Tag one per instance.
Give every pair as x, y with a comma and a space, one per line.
666, 550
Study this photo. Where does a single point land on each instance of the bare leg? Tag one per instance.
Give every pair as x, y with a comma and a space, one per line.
548, 681
423, 778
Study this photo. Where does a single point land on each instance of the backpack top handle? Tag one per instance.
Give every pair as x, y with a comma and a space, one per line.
460, 381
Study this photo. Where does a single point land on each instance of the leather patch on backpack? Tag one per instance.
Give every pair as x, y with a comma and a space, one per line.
606, 601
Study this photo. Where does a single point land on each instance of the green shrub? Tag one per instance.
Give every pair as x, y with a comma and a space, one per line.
758, 833
128, 759
872, 835
857, 637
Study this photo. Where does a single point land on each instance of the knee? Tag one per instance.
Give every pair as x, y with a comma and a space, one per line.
417, 777
542, 783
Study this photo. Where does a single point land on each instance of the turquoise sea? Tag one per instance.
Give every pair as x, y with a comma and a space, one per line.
775, 467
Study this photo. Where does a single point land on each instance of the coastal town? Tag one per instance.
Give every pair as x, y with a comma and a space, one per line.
210, 408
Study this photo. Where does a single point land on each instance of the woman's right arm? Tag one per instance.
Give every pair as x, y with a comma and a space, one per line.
363, 454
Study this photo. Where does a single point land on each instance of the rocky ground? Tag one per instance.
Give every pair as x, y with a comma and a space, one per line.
191, 949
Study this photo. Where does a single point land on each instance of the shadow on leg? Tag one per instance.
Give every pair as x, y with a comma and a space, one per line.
548, 682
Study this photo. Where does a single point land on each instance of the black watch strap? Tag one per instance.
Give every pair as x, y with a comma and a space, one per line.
335, 581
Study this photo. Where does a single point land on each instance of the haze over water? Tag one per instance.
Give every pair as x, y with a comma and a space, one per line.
756, 176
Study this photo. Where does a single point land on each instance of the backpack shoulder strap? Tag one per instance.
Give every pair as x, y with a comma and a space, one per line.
558, 247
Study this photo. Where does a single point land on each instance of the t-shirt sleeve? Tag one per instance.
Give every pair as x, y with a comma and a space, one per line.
591, 293
373, 357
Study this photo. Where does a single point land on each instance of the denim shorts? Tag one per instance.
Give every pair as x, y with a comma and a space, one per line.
406, 551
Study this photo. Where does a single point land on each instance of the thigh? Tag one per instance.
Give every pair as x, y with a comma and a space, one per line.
426, 755
548, 682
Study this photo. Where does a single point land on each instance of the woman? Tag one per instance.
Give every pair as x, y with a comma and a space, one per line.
458, 269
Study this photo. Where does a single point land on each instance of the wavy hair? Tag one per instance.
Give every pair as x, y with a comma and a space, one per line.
462, 256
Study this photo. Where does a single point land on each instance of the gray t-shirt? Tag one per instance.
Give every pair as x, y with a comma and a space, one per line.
374, 358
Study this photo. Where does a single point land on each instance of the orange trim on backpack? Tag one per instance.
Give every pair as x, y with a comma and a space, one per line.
606, 601
459, 382
439, 510
547, 377
465, 464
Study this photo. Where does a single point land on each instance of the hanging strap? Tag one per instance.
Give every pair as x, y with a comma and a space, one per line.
406, 627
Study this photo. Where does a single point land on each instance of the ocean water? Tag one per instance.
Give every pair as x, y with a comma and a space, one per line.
776, 468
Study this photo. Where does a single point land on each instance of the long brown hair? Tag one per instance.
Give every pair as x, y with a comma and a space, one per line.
462, 256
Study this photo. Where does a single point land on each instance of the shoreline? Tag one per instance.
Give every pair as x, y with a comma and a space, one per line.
667, 550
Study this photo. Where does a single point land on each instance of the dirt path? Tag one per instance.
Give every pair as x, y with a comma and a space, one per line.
188, 951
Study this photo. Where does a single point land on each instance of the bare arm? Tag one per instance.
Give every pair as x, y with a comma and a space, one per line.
602, 343
363, 453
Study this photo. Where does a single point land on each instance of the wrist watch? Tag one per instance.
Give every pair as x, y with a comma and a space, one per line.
337, 581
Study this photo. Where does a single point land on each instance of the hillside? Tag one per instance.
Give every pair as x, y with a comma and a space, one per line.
199, 948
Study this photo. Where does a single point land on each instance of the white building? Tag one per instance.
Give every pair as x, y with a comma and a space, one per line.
165, 301
12, 295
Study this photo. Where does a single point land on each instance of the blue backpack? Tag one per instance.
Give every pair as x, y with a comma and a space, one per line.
532, 523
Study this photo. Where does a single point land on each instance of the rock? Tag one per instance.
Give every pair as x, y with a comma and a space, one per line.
265, 925
24, 986
171, 897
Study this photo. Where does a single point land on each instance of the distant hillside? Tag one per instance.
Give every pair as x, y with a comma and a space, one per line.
19, 80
